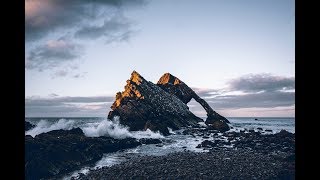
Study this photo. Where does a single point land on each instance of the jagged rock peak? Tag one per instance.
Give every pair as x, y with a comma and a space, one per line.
169, 78
136, 77
130, 89
145, 105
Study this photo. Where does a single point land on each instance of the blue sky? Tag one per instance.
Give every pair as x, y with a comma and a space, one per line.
79, 50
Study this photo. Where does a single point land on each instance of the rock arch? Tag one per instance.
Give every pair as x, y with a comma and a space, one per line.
173, 85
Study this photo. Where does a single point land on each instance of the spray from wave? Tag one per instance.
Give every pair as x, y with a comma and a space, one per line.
44, 126
105, 127
115, 130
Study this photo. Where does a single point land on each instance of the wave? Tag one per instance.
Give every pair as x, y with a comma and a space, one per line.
44, 126
106, 127
116, 130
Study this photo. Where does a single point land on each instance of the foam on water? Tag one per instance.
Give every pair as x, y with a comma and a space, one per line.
173, 143
203, 124
76, 174
44, 126
103, 127
107, 128
116, 130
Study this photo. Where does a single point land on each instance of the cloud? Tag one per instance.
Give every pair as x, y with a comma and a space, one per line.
264, 100
114, 29
79, 75
74, 20
261, 100
254, 91
67, 106
61, 73
43, 17
262, 82
287, 111
68, 73
67, 99
269, 98
202, 92
53, 54
53, 95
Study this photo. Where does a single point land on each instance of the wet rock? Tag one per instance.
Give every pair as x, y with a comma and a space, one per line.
218, 125
217, 164
150, 141
284, 133
207, 144
61, 151
28, 125
280, 142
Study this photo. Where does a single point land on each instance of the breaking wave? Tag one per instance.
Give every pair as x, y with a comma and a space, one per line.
116, 130
106, 127
44, 126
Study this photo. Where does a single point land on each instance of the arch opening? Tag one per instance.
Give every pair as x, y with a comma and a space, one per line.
197, 109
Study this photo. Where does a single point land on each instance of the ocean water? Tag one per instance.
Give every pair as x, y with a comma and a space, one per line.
97, 126
271, 123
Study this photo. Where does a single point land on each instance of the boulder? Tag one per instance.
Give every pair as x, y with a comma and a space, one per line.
219, 125
144, 105
284, 133
207, 144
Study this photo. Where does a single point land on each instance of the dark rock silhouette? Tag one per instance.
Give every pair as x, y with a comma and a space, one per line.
28, 125
144, 105
175, 86
61, 151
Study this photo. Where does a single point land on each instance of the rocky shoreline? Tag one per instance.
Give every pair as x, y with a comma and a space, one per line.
250, 155
220, 164
58, 152
162, 107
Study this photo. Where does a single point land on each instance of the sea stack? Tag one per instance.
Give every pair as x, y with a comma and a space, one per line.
145, 105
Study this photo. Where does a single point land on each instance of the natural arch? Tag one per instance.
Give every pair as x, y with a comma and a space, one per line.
173, 85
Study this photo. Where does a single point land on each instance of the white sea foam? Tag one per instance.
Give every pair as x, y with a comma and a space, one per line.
76, 174
171, 131
44, 126
202, 124
116, 130
105, 127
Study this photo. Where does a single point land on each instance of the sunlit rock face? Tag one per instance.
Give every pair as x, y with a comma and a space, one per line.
144, 105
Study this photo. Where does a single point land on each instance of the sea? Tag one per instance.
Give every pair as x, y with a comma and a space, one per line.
100, 126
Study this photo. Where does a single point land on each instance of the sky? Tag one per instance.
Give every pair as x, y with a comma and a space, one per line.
237, 55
